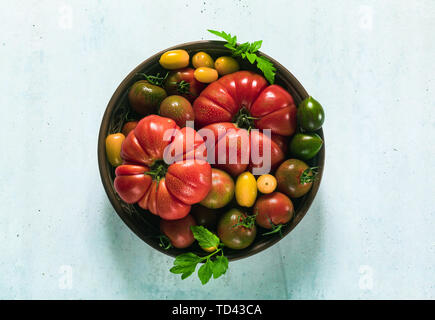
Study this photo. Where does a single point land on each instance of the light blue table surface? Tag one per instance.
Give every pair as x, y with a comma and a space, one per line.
370, 231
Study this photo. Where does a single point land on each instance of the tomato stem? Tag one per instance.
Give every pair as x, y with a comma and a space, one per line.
211, 254
275, 229
156, 80
165, 243
246, 222
244, 120
183, 87
158, 170
309, 175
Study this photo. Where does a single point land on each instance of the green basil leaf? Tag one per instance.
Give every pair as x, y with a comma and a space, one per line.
205, 238
220, 266
205, 271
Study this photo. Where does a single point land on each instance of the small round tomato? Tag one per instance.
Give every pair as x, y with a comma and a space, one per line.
182, 82
113, 148
225, 65
288, 176
305, 145
246, 189
202, 59
205, 217
178, 231
273, 209
174, 59
221, 192
177, 108
128, 126
145, 98
206, 75
236, 230
266, 183
310, 114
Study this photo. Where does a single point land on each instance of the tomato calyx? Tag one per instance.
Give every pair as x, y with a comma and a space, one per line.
309, 175
247, 222
244, 120
158, 170
276, 228
183, 87
156, 80
165, 243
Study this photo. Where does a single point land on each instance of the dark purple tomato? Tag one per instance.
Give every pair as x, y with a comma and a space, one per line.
294, 178
178, 109
236, 229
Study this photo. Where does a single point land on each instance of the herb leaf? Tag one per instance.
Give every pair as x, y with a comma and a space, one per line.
220, 266
206, 239
206, 271
248, 51
232, 40
185, 264
267, 67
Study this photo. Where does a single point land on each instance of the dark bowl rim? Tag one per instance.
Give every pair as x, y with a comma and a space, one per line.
103, 163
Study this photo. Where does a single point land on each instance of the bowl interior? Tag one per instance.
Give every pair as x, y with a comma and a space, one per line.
146, 225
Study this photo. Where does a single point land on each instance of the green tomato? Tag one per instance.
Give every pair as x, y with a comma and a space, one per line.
305, 145
232, 233
310, 114
145, 98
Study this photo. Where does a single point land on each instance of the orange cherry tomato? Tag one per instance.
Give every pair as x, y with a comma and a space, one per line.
266, 183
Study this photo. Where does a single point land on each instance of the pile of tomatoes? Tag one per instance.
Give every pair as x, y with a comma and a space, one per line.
227, 198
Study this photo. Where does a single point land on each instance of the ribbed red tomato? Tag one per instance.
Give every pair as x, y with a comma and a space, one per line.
243, 96
165, 189
237, 150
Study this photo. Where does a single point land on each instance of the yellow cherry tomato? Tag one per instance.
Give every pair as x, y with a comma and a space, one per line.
202, 59
210, 249
266, 183
174, 59
246, 189
205, 74
225, 65
113, 148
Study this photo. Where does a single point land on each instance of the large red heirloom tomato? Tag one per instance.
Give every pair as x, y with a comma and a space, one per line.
236, 150
165, 189
245, 95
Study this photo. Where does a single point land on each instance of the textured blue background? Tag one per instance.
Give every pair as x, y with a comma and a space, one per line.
370, 231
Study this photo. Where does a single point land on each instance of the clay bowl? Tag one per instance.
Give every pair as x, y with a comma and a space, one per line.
146, 225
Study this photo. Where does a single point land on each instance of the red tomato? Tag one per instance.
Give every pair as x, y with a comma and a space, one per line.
178, 231
128, 126
241, 144
167, 190
268, 106
182, 82
273, 209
